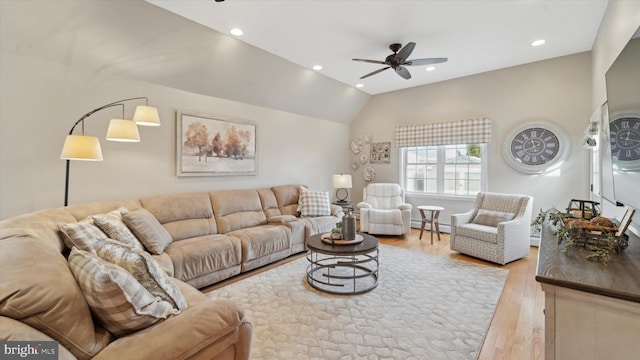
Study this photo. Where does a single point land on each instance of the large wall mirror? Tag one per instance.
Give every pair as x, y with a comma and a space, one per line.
623, 100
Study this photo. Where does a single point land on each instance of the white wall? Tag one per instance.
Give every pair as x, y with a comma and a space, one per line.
41, 100
620, 22
556, 90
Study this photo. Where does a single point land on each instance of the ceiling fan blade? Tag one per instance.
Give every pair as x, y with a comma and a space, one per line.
418, 62
371, 61
403, 72
404, 53
375, 72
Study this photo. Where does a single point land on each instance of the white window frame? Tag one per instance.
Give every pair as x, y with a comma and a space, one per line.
484, 148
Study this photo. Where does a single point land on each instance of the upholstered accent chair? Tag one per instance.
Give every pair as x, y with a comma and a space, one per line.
383, 210
497, 229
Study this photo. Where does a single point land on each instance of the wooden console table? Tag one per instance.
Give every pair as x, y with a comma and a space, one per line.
592, 310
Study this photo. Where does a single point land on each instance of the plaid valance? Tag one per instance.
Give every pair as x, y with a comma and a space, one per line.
471, 131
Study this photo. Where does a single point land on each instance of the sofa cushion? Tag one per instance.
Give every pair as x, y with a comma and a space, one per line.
287, 197
314, 203
263, 240
184, 215
477, 231
81, 234
491, 218
117, 299
202, 255
143, 268
237, 209
381, 216
39, 290
111, 224
148, 230
14, 330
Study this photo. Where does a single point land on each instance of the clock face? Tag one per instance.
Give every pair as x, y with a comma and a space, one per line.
535, 146
625, 138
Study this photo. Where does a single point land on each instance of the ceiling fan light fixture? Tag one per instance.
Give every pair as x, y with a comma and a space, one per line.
359, 85
236, 31
430, 68
399, 59
317, 67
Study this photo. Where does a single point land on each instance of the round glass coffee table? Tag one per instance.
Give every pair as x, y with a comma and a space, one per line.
343, 269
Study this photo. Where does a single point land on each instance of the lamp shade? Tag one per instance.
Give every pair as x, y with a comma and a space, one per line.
341, 181
146, 116
81, 147
123, 130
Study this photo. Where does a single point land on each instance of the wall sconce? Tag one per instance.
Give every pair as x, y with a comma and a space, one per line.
87, 148
342, 183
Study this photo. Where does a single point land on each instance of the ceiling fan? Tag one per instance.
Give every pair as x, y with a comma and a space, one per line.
398, 60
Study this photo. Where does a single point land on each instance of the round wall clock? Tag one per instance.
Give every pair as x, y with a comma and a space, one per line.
625, 141
536, 147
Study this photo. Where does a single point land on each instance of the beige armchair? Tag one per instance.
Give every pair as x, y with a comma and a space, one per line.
498, 229
383, 210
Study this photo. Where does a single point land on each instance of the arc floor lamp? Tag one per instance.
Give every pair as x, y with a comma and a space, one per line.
87, 148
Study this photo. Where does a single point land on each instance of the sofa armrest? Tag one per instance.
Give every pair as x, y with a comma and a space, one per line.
336, 210
461, 219
363, 205
405, 207
281, 219
203, 330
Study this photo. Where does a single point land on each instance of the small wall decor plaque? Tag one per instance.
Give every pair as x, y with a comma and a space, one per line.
380, 152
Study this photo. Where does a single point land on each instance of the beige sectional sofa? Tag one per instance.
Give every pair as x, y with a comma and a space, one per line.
214, 236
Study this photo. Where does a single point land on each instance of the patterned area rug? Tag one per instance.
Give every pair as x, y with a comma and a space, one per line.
425, 307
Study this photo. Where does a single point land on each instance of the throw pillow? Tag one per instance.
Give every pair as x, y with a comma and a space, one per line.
148, 230
116, 298
491, 218
112, 225
144, 269
81, 235
302, 188
314, 203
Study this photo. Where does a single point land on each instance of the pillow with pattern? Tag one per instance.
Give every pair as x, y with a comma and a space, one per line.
314, 203
112, 225
119, 302
81, 234
144, 269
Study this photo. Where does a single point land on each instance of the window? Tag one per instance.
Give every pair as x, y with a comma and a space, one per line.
443, 170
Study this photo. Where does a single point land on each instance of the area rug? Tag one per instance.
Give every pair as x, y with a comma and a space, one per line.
425, 307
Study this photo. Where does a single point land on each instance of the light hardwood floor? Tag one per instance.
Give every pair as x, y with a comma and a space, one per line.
517, 329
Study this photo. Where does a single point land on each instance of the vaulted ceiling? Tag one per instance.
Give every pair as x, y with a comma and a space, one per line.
475, 35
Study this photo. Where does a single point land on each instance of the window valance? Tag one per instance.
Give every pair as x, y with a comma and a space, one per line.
470, 131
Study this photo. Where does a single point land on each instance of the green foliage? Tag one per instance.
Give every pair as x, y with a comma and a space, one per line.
474, 150
601, 245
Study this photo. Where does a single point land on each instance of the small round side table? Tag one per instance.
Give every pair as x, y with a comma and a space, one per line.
432, 220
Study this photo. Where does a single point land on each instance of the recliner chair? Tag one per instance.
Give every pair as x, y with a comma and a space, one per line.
383, 210
497, 229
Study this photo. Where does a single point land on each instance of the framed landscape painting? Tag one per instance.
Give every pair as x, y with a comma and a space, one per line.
211, 145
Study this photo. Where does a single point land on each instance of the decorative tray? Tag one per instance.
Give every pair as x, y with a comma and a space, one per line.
326, 238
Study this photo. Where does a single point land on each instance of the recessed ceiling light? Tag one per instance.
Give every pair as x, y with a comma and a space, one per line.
430, 68
317, 67
236, 32
359, 85
538, 42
